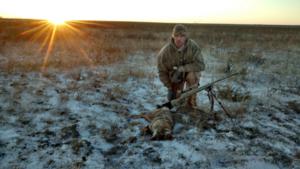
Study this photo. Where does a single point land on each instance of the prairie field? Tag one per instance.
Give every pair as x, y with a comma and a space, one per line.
67, 93
29, 44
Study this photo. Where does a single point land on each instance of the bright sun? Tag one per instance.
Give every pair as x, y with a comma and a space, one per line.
57, 21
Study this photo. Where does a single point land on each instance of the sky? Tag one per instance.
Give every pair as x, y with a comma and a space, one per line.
275, 12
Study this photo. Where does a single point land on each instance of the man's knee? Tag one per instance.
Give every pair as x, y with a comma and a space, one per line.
175, 90
193, 77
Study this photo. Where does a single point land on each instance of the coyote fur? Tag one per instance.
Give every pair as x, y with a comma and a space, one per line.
161, 124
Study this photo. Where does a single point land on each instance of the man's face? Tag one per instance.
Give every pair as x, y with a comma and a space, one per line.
179, 40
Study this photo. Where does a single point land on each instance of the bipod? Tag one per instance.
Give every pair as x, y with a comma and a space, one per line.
212, 97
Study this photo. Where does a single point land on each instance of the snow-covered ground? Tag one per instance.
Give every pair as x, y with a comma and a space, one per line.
80, 119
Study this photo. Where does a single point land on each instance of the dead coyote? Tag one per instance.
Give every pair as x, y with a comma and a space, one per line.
161, 124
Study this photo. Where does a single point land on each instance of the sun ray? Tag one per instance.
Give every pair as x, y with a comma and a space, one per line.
79, 48
74, 29
50, 47
35, 29
60, 38
77, 32
93, 23
57, 21
44, 43
40, 33
86, 56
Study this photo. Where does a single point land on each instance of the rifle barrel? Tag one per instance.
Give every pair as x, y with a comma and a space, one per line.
190, 92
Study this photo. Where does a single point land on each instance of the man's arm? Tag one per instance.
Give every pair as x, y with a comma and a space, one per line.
163, 72
198, 62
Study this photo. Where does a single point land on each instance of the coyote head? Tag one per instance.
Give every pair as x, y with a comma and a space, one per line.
161, 126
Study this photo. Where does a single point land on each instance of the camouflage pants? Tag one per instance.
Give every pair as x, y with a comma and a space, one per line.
190, 79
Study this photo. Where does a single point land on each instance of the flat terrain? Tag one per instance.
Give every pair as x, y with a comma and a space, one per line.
67, 93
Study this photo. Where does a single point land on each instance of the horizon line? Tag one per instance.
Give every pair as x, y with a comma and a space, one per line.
162, 22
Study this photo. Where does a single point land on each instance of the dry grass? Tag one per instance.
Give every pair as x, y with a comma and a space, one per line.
110, 134
228, 93
24, 47
116, 92
239, 111
92, 44
124, 74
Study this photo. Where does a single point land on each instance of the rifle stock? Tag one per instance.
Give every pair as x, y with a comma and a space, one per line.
176, 102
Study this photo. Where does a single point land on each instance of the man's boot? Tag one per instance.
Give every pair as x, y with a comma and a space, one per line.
171, 95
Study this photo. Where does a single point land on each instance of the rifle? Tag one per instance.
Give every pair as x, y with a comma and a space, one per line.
185, 94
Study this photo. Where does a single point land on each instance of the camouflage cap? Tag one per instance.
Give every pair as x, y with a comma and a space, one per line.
179, 29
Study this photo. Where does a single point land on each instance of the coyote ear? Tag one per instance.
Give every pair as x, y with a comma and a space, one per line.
169, 137
146, 130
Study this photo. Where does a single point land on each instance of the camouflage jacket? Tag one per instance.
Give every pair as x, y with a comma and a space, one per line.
169, 56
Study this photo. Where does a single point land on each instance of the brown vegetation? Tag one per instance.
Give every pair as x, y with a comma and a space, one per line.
24, 44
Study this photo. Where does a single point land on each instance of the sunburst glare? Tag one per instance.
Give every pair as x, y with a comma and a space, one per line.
57, 21
54, 33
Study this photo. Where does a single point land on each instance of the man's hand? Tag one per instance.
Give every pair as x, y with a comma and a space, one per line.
177, 76
179, 68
